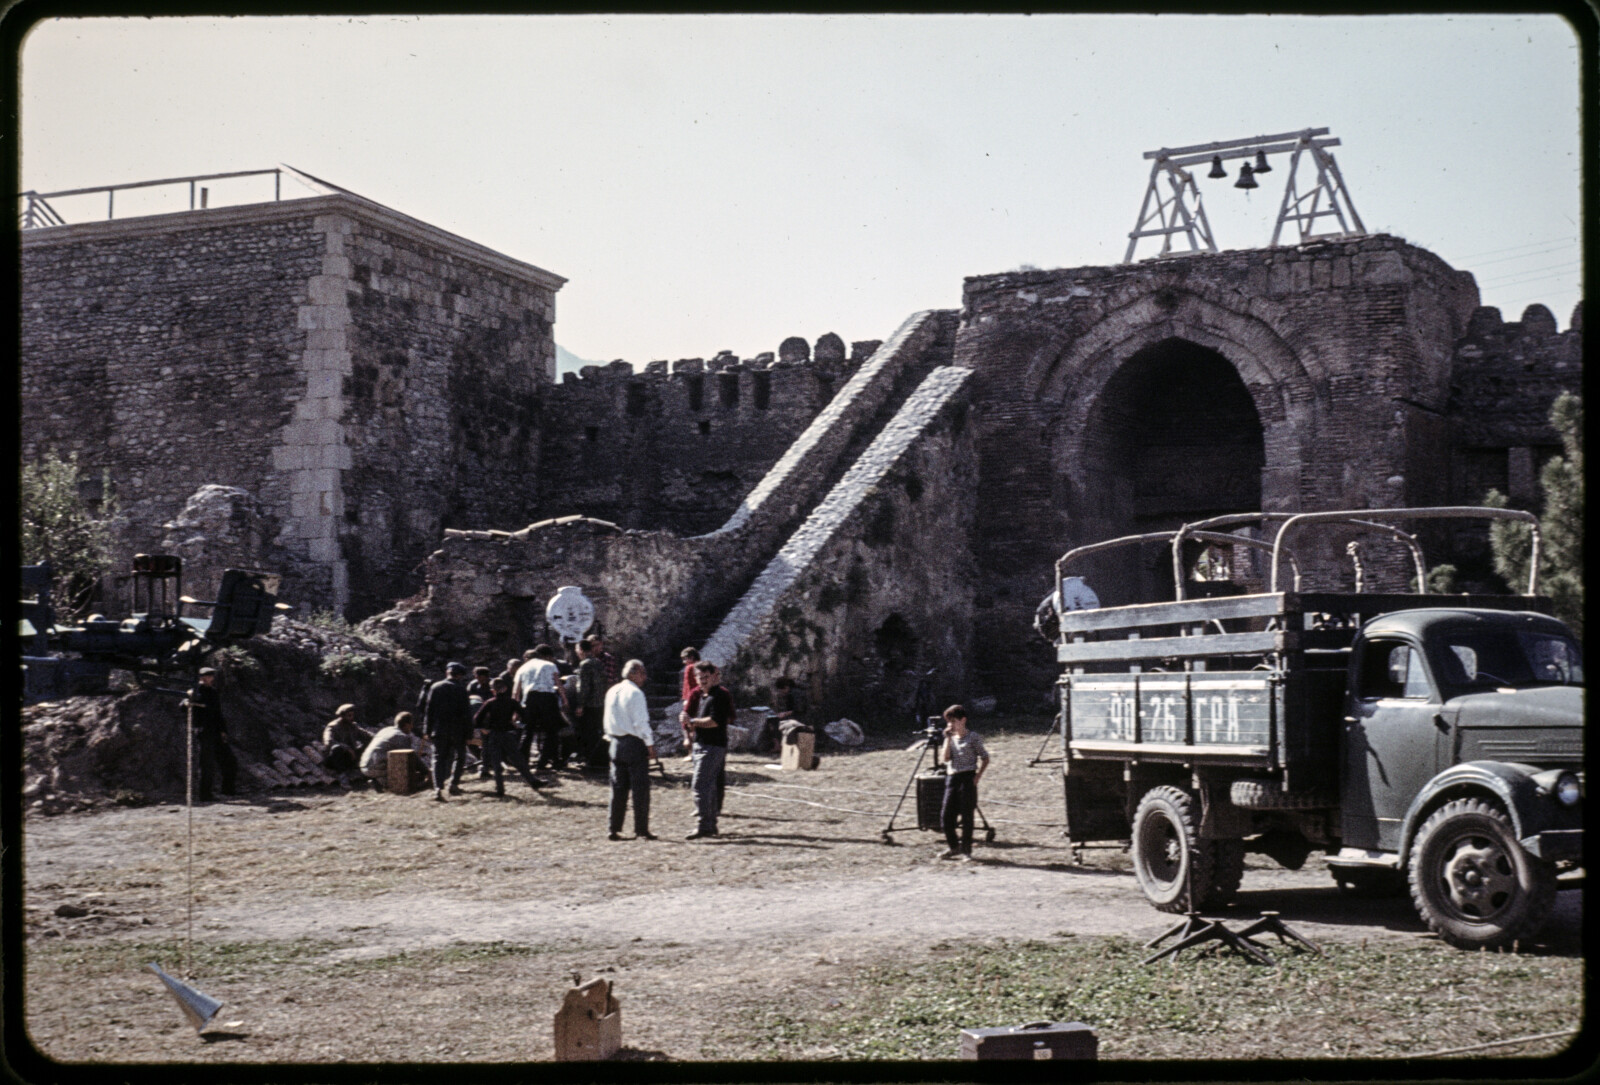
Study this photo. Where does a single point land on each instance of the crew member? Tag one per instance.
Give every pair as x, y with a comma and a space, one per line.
447, 721
965, 758
344, 739
627, 729
211, 736
708, 713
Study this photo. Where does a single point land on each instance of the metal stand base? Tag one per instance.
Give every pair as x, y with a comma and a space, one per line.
1194, 930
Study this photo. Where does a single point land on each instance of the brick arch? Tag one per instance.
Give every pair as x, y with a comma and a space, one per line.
1282, 383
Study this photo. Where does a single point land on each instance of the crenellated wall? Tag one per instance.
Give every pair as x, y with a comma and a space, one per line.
677, 445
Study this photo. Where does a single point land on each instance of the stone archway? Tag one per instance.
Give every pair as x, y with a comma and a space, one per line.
1173, 436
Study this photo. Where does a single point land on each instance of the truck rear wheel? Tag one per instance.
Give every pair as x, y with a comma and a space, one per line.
1472, 883
1168, 854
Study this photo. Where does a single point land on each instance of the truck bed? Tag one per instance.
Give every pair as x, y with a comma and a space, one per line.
1254, 681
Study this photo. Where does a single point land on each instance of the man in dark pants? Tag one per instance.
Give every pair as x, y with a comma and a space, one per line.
447, 717
627, 728
965, 758
708, 713
589, 708
211, 738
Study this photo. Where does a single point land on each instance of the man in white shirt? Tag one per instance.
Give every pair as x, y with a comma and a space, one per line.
535, 689
627, 730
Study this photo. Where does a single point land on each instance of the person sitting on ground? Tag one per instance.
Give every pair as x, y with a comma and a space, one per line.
966, 758
344, 739
788, 711
494, 718
397, 736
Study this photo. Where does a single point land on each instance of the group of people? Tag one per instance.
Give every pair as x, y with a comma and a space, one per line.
597, 716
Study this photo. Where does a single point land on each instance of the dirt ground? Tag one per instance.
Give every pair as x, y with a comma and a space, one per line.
367, 927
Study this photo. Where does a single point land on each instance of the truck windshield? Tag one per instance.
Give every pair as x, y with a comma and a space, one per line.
1479, 659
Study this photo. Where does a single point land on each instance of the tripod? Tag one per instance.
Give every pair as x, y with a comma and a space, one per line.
932, 740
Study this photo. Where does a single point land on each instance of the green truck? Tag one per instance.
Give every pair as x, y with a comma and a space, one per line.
1420, 739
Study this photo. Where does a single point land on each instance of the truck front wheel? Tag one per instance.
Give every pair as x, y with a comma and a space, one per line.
1168, 854
1472, 883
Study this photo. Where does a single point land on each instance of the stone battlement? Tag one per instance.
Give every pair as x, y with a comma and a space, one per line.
795, 351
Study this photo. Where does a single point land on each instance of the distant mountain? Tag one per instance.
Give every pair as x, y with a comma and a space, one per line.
568, 362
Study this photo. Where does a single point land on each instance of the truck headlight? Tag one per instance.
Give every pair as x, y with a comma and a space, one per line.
1564, 784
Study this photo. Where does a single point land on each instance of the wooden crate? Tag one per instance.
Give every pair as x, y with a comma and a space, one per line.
802, 752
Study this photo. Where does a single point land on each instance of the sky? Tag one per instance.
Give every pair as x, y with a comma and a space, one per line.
712, 183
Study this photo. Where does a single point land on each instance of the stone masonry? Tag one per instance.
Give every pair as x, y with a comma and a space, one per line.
367, 377
330, 386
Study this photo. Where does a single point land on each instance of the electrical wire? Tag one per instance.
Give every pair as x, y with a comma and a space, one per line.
890, 794
872, 813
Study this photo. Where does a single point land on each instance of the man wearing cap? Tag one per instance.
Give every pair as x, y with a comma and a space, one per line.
447, 721
344, 739
211, 737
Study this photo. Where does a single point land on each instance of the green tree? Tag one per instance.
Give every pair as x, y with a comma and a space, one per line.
1560, 525
58, 526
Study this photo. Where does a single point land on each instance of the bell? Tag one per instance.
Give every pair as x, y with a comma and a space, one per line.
1261, 162
1247, 178
1216, 167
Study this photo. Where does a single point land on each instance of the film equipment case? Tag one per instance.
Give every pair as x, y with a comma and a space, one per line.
1038, 1040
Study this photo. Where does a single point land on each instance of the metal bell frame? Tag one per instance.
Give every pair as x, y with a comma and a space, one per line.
1180, 212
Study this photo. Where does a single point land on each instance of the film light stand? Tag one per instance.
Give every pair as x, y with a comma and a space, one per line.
1193, 929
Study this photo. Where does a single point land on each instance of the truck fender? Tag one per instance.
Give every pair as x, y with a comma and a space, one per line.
1511, 783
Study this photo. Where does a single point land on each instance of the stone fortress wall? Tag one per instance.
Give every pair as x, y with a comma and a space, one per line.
370, 406
367, 378
677, 445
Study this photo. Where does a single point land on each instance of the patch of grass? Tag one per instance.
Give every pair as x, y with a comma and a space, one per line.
348, 665
219, 960
330, 620
1351, 1003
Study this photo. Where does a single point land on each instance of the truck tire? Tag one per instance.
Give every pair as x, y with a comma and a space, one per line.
1166, 845
1265, 795
1472, 883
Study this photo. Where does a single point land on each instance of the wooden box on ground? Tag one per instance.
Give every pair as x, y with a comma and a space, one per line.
1039, 1040
404, 767
589, 1024
801, 752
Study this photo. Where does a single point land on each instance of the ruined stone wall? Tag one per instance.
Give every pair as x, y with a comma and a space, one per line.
678, 446
365, 377
656, 589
